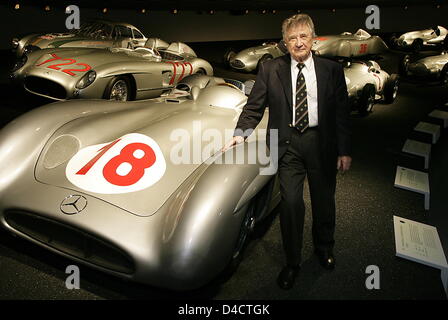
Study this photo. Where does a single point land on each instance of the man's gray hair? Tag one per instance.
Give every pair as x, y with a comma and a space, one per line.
295, 20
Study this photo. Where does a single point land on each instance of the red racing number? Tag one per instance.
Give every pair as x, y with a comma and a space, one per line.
363, 48
138, 164
126, 156
70, 61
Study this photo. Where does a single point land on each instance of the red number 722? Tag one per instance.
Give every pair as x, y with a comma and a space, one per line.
70, 61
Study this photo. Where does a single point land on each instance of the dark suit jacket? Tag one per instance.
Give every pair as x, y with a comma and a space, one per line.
273, 88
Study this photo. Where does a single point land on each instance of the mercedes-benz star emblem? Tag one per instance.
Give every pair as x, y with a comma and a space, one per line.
73, 204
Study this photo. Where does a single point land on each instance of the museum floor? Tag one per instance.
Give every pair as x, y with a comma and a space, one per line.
366, 204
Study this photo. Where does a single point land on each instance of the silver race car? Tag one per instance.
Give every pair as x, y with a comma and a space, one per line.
348, 45
114, 73
344, 45
417, 39
368, 84
249, 59
432, 67
138, 189
98, 34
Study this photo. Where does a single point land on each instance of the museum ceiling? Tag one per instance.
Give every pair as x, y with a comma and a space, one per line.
227, 4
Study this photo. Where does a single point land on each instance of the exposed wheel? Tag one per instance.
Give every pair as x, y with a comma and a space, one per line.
391, 88
263, 59
367, 100
404, 66
444, 76
119, 88
230, 53
247, 226
417, 45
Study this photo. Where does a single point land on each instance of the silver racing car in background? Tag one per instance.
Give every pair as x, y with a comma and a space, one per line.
348, 45
114, 73
137, 189
417, 39
249, 59
368, 84
432, 67
97, 34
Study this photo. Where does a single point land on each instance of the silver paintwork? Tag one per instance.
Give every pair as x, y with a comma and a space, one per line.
97, 34
180, 232
150, 71
359, 44
432, 66
428, 37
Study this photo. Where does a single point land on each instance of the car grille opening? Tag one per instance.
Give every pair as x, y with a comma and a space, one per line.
170, 56
237, 64
45, 87
71, 241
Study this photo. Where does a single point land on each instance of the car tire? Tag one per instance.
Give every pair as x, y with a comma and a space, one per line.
367, 100
391, 88
417, 45
405, 64
230, 53
444, 75
263, 59
118, 88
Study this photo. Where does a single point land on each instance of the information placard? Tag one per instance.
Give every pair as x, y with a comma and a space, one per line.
413, 180
419, 149
439, 114
418, 242
429, 128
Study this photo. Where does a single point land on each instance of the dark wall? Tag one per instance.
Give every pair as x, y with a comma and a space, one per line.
189, 26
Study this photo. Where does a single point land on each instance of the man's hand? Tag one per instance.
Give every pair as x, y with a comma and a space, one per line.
344, 163
235, 140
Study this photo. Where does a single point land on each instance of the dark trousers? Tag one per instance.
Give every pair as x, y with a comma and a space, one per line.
301, 160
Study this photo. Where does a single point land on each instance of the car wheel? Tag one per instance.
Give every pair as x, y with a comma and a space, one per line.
391, 89
263, 59
230, 54
119, 88
444, 75
417, 45
404, 66
246, 228
367, 100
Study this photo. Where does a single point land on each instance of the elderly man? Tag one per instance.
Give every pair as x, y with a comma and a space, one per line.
308, 105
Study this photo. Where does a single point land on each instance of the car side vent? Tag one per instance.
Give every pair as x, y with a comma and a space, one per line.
71, 241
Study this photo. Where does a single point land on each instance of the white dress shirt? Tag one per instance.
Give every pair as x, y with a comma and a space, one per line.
311, 89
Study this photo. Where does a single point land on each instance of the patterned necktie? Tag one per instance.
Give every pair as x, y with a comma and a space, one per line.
301, 108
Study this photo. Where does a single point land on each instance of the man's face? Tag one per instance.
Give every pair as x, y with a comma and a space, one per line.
299, 41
